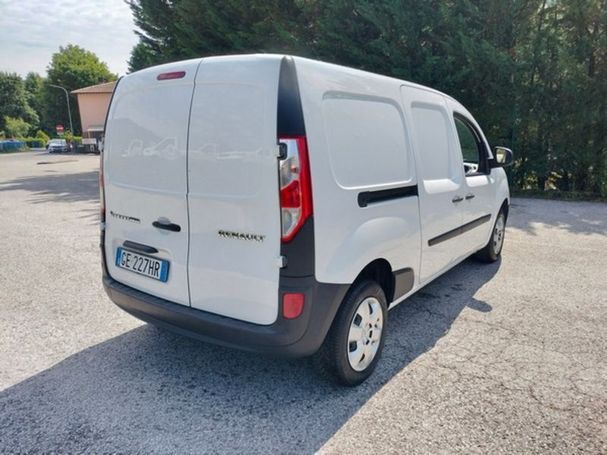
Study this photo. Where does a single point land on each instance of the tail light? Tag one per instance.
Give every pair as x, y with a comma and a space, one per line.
171, 75
295, 185
292, 305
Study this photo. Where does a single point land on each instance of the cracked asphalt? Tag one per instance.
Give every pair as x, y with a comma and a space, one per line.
503, 358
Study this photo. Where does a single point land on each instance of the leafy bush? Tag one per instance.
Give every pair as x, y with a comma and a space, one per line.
71, 138
42, 136
35, 142
15, 127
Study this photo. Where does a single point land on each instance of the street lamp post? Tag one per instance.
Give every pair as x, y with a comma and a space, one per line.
67, 98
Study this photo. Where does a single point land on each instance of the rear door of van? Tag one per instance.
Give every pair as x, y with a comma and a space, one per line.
145, 181
235, 229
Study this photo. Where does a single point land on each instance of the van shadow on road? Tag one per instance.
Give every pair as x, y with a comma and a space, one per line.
149, 390
59, 187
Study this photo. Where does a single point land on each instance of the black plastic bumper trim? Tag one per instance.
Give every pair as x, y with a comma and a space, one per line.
286, 337
404, 280
299, 252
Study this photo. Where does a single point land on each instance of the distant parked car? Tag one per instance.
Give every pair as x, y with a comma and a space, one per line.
57, 146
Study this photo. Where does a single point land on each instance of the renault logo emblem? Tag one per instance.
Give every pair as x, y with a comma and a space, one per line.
240, 236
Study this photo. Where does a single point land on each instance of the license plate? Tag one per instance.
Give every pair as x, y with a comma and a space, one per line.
142, 264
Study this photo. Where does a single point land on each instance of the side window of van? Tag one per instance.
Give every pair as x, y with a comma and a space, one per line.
473, 149
367, 141
432, 137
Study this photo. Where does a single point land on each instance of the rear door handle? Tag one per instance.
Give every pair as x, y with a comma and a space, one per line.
167, 226
469, 196
139, 247
457, 199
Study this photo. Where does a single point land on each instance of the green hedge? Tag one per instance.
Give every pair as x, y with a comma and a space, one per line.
35, 142
40, 142
75, 139
23, 143
12, 146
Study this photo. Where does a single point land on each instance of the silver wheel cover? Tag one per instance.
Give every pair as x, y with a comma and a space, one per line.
365, 334
498, 234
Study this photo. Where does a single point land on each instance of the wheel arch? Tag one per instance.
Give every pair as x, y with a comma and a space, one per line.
380, 271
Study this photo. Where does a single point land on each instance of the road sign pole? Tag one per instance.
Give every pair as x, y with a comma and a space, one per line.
67, 99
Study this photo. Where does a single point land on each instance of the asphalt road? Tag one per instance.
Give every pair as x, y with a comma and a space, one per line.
509, 357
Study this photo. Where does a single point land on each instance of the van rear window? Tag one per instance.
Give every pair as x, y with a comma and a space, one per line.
147, 135
228, 137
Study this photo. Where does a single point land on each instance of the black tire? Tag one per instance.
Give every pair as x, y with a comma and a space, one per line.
332, 358
491, 252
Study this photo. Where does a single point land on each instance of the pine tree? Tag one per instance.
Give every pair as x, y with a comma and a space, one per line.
533, 72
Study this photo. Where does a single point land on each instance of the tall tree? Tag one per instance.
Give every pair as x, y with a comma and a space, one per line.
178, 29
584, 29
156, 21
142, 56
72, 68
34, 84
14, 101
533, 72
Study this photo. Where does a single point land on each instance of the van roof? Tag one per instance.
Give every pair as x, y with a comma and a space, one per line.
370, 73
175, 65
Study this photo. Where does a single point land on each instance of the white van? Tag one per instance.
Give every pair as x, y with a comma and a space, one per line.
283, 205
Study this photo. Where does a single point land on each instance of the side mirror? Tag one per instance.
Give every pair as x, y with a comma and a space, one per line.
503, 157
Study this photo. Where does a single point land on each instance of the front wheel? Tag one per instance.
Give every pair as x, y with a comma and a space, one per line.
491, 252
354, 344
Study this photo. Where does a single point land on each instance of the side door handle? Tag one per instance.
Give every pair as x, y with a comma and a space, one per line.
469, 196
457, 199
167, 226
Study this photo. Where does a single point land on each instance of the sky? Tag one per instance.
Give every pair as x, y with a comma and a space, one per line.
31, 31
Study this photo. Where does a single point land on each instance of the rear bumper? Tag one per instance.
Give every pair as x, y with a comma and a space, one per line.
293, 338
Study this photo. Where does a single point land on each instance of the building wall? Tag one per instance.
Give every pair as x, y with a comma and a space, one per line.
93, 109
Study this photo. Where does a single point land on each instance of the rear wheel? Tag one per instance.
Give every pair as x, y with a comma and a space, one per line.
354, 344
491, 252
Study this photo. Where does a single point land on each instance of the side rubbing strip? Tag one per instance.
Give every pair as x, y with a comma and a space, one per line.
460, 230
369, 197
